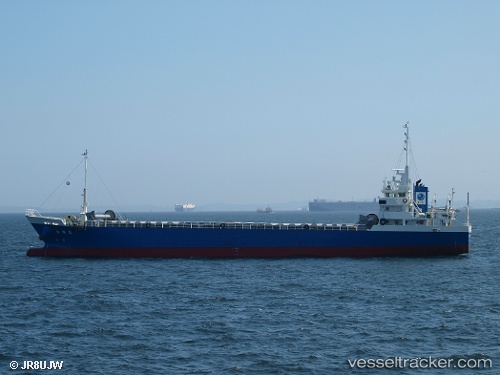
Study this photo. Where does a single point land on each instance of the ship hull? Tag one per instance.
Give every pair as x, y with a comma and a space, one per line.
256, 252
153, 242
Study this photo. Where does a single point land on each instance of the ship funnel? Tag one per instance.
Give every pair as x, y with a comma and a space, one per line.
420, 195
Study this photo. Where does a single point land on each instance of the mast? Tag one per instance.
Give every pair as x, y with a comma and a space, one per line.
83, 212
468, 210
407, 142
407, 154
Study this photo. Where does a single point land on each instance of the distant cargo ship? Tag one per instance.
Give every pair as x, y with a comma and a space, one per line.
266, 210
184, 207
324, 205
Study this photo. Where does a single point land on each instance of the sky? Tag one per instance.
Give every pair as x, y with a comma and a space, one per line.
245, 102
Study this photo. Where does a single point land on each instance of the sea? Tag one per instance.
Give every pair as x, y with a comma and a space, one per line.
432, 315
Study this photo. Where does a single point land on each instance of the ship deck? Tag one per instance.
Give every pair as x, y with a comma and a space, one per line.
222, 225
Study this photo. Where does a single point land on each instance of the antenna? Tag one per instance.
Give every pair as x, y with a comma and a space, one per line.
407, 153
468, 210
407, 141
83, 212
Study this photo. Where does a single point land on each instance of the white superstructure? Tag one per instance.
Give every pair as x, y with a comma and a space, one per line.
405, 206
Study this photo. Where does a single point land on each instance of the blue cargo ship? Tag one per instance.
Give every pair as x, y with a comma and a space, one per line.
405, 225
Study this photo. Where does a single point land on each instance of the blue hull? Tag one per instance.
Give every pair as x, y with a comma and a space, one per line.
222, 242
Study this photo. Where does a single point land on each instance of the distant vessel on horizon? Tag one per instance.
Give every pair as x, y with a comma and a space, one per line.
266, 210
322, 205
184, 207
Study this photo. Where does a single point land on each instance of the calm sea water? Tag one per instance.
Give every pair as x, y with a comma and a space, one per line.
298, 316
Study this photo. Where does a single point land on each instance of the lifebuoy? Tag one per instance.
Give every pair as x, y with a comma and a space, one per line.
306, 226
148, 225
405, 200
222, 225
383, 221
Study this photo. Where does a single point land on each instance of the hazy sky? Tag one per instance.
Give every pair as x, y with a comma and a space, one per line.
246, 101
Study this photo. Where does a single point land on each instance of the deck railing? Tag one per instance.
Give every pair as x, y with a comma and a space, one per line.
221, 225
32, 213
